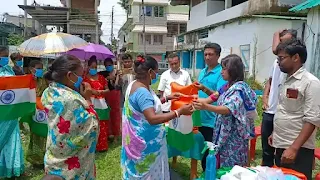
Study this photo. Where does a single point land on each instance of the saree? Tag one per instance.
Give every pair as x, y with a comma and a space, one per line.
232, 132
144, 153
11, 152
73, 133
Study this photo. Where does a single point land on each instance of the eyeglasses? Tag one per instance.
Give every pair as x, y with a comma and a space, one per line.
281, 58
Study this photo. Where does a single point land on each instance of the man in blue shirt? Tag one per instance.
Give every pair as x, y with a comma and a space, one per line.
209, 80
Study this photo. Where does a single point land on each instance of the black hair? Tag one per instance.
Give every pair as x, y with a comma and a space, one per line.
142, 67
15, 56
33, 63
107, 60
293, 32
216, 47
93, 59
173, 55
234, 65
293, 47
61, 66
126, 56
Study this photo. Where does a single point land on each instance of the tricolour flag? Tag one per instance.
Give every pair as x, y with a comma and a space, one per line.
101, 107
17, 96
39, 123
180, 130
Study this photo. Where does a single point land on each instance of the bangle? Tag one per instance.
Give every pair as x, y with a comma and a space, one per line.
177, 113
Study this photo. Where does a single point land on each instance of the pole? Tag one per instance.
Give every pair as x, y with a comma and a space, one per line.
68, 15
25, 20
112, 21
97, 21
144, 28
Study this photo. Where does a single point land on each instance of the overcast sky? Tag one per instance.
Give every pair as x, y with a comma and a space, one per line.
11, 7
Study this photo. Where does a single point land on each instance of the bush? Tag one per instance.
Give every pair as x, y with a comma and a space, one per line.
255, 85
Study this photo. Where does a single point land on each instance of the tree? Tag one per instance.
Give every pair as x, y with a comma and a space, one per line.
15, 39
124, 4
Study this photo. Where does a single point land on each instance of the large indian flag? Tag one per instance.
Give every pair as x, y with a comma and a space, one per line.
17, 96
101, 107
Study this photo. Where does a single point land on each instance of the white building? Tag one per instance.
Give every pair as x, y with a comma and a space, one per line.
240, 27
312, 35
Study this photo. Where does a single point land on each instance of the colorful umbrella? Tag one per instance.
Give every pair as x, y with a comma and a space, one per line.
50, 43
100, 51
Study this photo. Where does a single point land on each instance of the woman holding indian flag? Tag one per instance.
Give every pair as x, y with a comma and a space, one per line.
100, 88
11, 153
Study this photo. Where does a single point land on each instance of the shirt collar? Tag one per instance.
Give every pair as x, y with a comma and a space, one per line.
298, 74
176, 72
214, 70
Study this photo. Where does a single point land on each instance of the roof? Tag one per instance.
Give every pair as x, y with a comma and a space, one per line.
305, 5
151, 29
177, 17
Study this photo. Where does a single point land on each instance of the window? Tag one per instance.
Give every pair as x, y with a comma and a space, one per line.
148, 39
157, 39
173, 29
196, 2
203, 34
245, 55
158, 11
147, 10
183, 28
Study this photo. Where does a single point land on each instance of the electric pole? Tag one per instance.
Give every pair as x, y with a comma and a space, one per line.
112, 21
97, 20
144, 28
25, 20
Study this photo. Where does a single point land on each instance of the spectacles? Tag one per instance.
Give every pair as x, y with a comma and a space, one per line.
281, 58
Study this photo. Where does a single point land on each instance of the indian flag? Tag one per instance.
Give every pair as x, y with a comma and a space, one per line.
39, 123
17, 96
101, 107
180, 134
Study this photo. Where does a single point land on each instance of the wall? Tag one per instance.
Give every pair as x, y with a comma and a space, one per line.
312, 41
247, 32
87, 5
214, 7
199, 18
177, 9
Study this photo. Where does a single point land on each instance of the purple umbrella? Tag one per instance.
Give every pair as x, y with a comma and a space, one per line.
100, 51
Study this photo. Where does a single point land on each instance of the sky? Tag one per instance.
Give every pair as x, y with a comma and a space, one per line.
11, 7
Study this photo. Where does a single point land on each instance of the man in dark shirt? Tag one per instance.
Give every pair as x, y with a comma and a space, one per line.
18, 64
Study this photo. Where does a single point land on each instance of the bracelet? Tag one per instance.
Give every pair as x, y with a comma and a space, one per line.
177, 113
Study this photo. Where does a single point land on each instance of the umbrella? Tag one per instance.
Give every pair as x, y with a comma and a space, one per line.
50, 43
100, 51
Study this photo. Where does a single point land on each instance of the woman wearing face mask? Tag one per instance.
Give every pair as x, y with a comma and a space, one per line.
37, 144
113, 98
72, 121
11, 153
99, 89
18, 63
144, 147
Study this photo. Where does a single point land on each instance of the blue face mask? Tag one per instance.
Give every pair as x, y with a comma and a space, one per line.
153, 81
19, 63
93, 72
109, 68
78, 83
4, 61
38, 73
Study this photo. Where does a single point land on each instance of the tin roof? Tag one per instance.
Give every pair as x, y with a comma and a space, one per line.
305, 5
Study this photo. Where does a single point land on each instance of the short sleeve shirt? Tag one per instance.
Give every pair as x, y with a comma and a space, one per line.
214, 81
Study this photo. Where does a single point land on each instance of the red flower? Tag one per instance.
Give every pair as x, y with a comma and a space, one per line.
63, 126
73, 163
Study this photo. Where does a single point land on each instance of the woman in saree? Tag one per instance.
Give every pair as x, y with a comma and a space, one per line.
37, 142
113, 98
144, 147
99, 89
233, 127
11, 152
73, 125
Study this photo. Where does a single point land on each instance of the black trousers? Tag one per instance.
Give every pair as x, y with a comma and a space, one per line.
207, 133
302, 164
266, 131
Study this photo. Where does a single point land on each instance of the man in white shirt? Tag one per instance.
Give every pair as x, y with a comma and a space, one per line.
174, 74
270, 98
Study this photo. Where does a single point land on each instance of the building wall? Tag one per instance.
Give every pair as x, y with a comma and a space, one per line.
87, 5
251, 33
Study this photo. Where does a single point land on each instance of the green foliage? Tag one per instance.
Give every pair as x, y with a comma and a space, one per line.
15, 39
124, 4
255, 85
